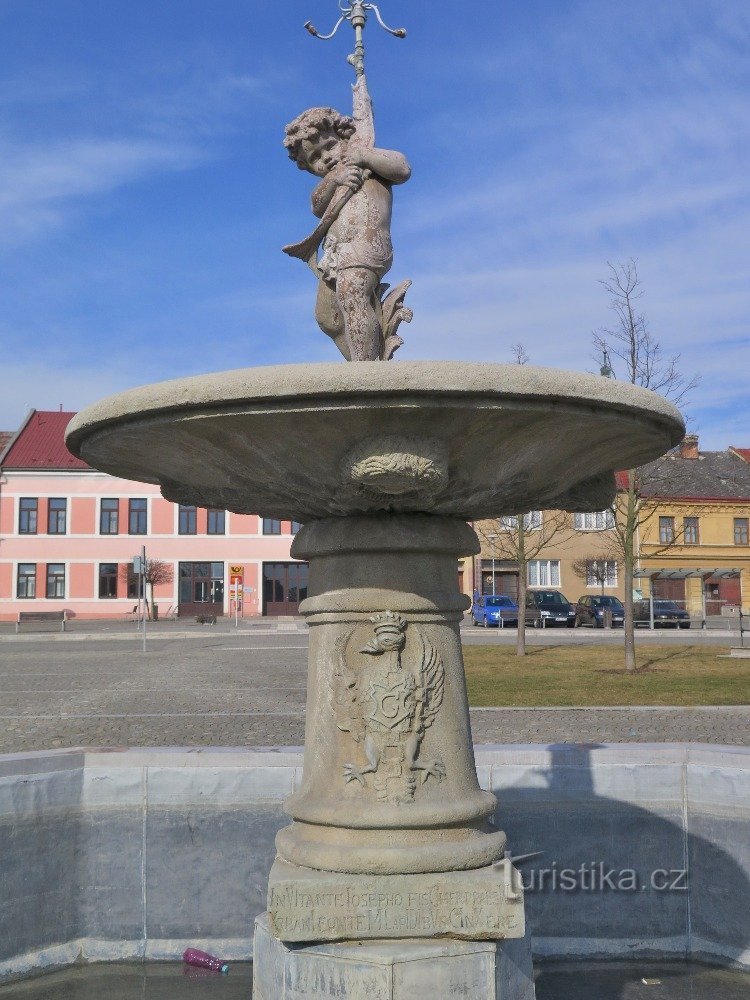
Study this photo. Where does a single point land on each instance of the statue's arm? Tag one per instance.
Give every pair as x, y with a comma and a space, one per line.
322, 194
386, 163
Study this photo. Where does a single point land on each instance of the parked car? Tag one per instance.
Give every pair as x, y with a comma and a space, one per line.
490, 609
548, 608
667, 614
590, 610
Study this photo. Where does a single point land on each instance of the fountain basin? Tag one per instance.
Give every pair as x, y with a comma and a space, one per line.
133, 854
312, 441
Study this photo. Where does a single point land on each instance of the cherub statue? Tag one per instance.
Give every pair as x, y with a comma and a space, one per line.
353, 201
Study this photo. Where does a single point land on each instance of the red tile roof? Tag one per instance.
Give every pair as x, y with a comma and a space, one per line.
621, 480
41, 443
744, 453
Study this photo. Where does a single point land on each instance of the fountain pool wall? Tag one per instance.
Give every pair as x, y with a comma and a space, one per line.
124, 854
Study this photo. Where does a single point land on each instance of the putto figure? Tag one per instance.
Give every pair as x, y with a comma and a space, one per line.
353, 202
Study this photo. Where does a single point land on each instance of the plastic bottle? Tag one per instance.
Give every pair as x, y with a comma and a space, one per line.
201, 959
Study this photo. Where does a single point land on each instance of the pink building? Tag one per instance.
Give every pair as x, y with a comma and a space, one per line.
68, 535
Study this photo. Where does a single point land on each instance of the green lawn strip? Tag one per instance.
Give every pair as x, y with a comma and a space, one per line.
582, 675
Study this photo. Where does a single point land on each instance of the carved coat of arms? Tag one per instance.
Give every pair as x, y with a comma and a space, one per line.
387, 706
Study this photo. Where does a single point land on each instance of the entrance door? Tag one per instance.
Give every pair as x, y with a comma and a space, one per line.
669, 590
507, 584
284, 587
500, 576
201, 589
721, 592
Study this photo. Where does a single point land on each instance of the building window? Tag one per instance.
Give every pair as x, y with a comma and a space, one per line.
601, 573
543, 572
216, 524
26, 583
666, 530
187, 523
57, 515
690, 529
134, 579
107, 581
741, 531
137, 516
55, 580
531, 521
27, 515
271, 526
599, 520
109, 516
296, 526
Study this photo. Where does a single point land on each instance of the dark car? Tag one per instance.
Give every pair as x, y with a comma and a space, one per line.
547, 608
667, 614
492, 609
591, 608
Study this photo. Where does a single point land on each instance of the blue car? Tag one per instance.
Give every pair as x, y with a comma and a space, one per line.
490, 609
590, 610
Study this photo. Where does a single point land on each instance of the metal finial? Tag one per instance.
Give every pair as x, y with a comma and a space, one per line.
357, 16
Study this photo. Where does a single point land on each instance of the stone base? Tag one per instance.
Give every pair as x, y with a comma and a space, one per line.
407, 969
309, 905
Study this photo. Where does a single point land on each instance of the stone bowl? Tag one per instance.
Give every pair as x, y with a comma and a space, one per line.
319, 440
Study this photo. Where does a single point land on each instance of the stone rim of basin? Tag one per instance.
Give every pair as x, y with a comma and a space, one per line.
460, 439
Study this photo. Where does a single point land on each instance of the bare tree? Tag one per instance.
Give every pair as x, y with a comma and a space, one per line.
520, 355
156, 572
519, 540
594, 567
630, 341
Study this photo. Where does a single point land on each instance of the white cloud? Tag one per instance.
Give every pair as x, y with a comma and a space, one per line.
40, 182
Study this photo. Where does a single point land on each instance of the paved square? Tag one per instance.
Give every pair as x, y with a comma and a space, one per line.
214, 687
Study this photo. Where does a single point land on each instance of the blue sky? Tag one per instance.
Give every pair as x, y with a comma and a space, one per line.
145, 194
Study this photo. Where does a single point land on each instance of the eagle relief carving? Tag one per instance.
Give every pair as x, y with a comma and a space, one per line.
387, 707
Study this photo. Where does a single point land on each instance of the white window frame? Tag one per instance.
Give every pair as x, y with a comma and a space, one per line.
598, 520
543, 573
532, 521
611, 577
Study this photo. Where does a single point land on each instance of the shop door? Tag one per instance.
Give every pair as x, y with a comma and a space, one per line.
284, 587
201, 589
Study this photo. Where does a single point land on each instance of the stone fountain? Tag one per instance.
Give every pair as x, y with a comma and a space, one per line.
392, 880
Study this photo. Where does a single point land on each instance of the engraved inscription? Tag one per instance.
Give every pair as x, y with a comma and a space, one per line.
387, 707
418, 906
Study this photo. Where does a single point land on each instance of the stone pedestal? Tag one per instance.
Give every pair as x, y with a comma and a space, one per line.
407, 969
391, 852
389, 783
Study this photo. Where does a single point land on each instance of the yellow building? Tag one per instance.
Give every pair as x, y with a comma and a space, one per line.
695, 534
692, 544
574, 553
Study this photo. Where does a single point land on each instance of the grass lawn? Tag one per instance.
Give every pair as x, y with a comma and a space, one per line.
594, 675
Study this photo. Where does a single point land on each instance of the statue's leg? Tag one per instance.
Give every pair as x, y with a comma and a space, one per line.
329, 319
356, 292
